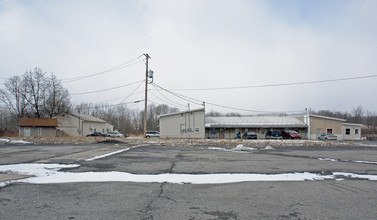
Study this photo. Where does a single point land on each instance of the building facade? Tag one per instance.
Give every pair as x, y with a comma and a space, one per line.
187, 124
37, 127
351, 131
194, 124
81, 125
317, 125
229, 127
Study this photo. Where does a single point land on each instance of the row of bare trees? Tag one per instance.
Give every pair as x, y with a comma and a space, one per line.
127, 120
34, 94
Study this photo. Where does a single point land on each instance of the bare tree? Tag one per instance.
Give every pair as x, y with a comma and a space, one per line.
7, 120
33, 94
370, 120
35, 86
57, 98
357, 114
233, 114
13, 96
213, 113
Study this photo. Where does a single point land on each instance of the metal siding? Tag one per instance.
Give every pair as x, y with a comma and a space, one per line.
171, 125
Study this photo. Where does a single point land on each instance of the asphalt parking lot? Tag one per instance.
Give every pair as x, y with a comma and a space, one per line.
341, 198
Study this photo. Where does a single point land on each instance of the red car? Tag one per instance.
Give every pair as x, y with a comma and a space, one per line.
290, 134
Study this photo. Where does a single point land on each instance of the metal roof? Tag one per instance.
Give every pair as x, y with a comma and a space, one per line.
253, 122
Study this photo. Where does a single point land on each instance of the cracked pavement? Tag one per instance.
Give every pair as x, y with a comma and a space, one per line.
347, 199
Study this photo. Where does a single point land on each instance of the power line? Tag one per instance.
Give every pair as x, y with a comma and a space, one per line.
279, 84
181, 96
222, 106
118, 67
102, 90
133, 91
161, 104
171, 103
93, 107
109, 100
178, 104
122, 97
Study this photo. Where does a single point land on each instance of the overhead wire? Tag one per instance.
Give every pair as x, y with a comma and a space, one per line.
102, 90
278, 84
118, 67
92, 107
167, 103
153, 102
176, 103
192, 100
223, 106
132, 91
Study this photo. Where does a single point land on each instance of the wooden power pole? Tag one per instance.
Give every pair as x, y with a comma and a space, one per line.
146, 94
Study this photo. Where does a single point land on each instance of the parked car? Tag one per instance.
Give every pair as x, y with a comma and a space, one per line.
250, 135
97, 134
273, 134
290, 134
327, 136
150, 134
116, 134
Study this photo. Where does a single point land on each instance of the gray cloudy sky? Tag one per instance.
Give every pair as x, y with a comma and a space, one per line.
200, 45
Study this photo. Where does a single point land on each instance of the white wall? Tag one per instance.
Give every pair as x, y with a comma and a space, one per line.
74, 126
183, 125
69, 125
352, 134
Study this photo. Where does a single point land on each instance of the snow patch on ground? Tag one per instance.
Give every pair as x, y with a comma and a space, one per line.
344, 160
269, 148
14, 141
366, 162
240, 147
49, 173
328, 159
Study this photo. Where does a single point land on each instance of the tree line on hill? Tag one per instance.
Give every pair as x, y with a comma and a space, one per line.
38, 94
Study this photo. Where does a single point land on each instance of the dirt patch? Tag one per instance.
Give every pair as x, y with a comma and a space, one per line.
111, 141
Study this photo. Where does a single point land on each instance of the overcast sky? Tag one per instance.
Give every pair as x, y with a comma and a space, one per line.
201, 44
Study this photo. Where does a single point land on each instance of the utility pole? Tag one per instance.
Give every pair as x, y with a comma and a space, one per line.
146, 94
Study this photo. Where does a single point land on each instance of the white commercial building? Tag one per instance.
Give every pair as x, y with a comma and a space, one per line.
187, 124
81, 125
194, 124
229, 127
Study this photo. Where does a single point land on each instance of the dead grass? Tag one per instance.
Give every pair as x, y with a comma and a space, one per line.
137, 140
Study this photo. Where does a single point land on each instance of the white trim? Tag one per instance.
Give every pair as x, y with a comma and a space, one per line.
183, 112
325, 117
